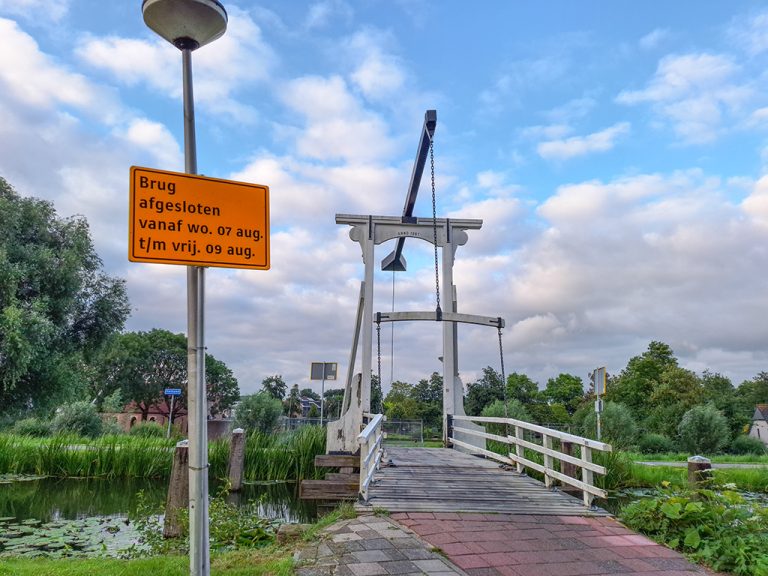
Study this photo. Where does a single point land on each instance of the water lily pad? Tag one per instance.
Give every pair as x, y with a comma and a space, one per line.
31, 522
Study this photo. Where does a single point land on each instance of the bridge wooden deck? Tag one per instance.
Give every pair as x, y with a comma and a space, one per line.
445, 480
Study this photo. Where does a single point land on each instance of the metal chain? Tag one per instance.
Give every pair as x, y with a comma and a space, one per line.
438, 311
503, 374
378, 346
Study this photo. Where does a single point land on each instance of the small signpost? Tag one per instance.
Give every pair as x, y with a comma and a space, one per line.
323, 371
172, 392
599, 378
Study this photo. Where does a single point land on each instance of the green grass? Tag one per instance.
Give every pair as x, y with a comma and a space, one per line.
747, 479
270, 561
287, 456
71, 456
683, 457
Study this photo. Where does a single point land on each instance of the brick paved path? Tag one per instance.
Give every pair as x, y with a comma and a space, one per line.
371, 546
538, 545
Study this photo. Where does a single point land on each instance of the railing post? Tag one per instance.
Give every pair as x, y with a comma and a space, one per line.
546, 441
587, 475
566, 467
363, 469
519, 449
449, 428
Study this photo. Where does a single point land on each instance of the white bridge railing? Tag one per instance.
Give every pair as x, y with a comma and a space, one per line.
370, 440
552, 470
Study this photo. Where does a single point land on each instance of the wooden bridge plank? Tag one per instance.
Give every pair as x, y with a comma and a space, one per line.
445, 480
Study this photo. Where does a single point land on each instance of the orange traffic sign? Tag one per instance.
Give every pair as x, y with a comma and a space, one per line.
178, 218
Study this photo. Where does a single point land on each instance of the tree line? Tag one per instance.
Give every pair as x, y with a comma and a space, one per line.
645, 403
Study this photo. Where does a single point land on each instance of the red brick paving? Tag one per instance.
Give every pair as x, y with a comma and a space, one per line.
538, 545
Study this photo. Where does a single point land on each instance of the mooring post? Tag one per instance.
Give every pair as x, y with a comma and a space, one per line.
236, 459
699, 471
178, 490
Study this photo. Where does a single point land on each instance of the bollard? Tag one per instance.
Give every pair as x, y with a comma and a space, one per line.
699, 471
178, 491
236, 459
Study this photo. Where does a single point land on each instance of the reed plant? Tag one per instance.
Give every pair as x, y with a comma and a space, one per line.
71, 456
288, 456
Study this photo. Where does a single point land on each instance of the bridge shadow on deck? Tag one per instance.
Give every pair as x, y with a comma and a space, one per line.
446, 480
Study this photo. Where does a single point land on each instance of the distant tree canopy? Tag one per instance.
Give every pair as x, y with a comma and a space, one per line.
142, 364
57, 305
275, 386
259, 412
333, 400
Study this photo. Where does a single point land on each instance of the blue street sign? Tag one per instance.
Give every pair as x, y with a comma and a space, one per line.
173, 391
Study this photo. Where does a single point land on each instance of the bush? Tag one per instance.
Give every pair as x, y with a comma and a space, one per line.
259, 412
147, 430
496, 409
79, 418
514, 409
720, 530
656, 444
703, 430
32, 427
110, 427
617, 425
747, 445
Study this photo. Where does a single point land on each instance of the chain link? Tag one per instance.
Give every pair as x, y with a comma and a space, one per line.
503, 373
378, 347
434, 226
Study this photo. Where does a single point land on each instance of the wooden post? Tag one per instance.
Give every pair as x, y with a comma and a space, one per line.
546, 441
587, 476
699, 471
566, 467
236, 459
519, 450
178, 491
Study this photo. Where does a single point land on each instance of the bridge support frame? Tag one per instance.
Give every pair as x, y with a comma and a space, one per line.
447, 234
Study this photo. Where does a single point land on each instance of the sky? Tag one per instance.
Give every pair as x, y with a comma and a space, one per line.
617, 153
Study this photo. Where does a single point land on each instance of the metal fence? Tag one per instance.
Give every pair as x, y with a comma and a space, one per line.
404, 432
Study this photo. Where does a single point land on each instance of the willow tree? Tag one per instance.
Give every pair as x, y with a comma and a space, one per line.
57, 305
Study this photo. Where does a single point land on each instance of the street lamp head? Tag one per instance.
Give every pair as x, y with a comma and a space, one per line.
187, 24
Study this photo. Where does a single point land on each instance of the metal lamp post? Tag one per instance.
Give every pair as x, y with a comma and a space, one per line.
188, 25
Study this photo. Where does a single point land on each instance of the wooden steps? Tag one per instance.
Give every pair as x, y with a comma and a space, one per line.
342, 485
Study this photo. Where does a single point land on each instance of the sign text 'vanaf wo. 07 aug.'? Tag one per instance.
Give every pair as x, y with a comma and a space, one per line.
187, 219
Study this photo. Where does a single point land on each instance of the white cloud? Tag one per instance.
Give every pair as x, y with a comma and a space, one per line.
49, 85
601, 141
52, 10
618, 264
338, 127
326, 12
756, 204
237, 60
750, 32
654, 38
520, 76
697, 93
153, 136
377, 74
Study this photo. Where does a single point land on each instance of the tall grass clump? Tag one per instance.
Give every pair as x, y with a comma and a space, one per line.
288, 456
73, 456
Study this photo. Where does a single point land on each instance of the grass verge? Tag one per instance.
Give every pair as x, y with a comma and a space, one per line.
271, 561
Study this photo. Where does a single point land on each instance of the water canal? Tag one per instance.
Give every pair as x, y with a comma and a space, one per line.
85, 517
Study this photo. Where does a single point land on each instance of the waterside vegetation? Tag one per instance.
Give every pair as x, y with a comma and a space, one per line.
288, 456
